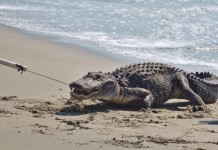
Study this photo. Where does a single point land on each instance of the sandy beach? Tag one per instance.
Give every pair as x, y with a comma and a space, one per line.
41, 55
36, 113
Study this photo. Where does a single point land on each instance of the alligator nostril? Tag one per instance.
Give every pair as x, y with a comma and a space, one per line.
71, 86
75, 85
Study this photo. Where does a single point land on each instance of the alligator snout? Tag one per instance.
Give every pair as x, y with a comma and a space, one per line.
75, 85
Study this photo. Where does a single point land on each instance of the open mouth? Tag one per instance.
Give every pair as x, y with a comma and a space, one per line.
84, 92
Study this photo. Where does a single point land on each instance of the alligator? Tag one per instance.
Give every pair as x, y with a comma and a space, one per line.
147, 85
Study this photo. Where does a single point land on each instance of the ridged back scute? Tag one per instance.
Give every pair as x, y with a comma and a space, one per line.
204, 75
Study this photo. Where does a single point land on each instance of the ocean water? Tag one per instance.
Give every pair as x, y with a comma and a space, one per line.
183, 33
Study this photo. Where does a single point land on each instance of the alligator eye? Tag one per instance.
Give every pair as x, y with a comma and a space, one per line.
97, 77
97, 88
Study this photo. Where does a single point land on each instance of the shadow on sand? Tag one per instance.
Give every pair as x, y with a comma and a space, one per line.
74, 110
209, 122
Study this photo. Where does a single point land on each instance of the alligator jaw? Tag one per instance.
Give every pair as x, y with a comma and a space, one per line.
83, 93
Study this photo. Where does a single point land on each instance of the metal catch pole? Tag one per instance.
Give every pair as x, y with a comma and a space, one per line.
22, 68
14, 65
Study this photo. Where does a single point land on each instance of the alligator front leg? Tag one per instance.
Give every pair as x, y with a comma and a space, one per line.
136, 97
189, 94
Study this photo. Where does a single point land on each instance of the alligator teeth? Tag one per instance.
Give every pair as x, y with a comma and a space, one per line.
85, 92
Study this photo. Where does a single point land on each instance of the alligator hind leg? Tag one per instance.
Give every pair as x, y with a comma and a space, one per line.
189, 94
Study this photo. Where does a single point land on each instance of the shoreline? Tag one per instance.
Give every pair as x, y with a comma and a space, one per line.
55, 39
45, 56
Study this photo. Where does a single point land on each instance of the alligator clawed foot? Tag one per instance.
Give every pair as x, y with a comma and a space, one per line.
145, 110
204, 109
207, 110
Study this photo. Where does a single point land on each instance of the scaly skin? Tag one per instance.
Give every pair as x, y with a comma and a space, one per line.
146, 85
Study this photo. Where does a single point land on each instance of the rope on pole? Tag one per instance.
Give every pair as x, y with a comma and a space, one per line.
22, 68
47, 77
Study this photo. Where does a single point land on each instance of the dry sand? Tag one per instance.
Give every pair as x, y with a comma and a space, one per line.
36, 113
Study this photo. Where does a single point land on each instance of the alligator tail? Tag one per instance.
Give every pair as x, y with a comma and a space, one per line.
207, 91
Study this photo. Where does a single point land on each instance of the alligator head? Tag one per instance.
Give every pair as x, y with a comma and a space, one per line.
94, 85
